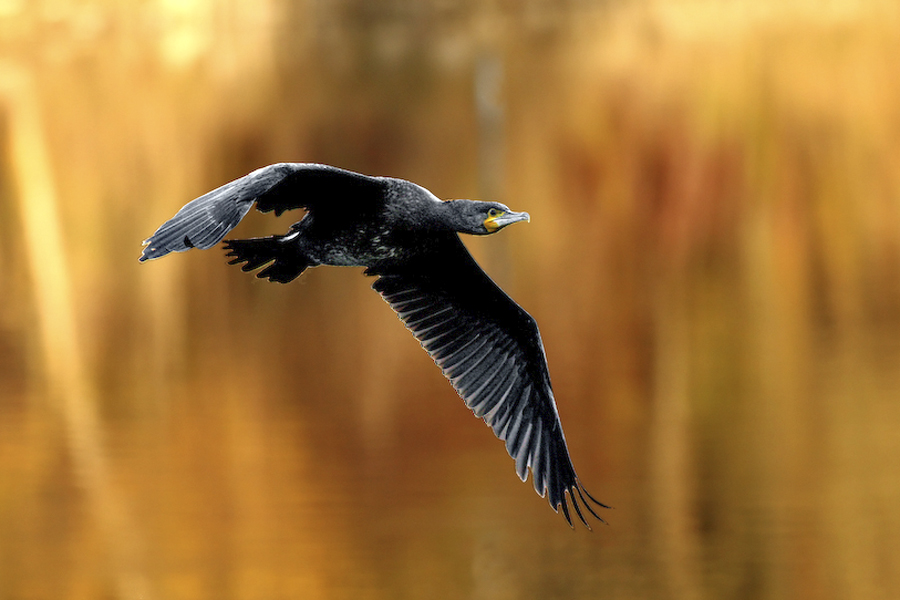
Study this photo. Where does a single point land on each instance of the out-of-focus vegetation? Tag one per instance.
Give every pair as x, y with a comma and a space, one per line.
714, 260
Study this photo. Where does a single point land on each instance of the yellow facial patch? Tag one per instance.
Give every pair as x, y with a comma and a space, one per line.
490, 223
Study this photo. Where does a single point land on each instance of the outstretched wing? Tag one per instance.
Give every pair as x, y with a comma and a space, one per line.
203, 222
491, 351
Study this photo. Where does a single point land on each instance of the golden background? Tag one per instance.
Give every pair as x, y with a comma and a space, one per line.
713, 258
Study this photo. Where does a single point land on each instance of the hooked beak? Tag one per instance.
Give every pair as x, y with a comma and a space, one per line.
493, 224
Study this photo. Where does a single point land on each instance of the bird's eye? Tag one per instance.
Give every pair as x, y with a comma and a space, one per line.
493, 212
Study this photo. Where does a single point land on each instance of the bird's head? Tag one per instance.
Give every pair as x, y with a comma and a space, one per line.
481, 218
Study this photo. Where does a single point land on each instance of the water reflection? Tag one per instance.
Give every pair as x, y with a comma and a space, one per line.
713, 262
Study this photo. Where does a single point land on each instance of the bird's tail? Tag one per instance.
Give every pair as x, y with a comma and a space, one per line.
284, 259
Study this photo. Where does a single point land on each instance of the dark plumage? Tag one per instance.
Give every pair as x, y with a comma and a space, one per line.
485, 344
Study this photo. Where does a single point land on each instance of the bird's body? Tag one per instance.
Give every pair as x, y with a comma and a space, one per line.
485, 344
377, 236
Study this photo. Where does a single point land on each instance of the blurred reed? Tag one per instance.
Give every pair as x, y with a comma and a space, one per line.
730, 171
68, 385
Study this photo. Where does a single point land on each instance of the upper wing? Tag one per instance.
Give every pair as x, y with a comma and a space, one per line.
203, 222
491, 351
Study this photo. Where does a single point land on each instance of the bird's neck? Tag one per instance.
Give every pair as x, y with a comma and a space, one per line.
447, 217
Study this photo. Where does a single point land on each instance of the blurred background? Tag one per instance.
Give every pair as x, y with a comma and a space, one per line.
713, 258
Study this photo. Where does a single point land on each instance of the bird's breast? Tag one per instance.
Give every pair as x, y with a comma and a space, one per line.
362, 246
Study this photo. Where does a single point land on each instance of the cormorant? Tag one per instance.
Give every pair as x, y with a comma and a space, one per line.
485, 344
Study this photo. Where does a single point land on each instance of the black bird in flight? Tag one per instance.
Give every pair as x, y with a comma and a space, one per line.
485, 344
